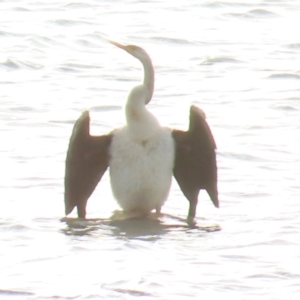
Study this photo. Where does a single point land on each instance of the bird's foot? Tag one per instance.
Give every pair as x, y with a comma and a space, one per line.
120, 215
191, 221
154, 216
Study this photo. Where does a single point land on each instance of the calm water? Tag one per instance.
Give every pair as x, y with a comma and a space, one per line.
237, 60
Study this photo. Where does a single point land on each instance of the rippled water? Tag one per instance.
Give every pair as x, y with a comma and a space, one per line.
237, 60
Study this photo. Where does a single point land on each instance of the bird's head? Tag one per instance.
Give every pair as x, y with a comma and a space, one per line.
135, 51
144, 58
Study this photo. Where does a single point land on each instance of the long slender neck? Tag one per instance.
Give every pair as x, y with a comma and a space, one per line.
141, 123
148, 78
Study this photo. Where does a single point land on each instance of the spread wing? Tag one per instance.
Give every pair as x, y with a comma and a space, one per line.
86, 162
195, 162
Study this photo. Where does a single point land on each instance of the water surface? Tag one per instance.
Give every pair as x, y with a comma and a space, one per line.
238, 60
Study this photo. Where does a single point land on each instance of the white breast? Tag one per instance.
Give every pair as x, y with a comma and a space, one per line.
141, 171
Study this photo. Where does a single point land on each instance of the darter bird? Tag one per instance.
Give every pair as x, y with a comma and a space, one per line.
142, 156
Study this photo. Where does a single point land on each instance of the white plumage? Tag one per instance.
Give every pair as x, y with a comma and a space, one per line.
141, 170
142, 153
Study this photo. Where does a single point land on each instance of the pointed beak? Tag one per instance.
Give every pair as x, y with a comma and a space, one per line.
119, 45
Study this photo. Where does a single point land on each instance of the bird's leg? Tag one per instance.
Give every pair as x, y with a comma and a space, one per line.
81, 210
158, 210
192, 209
191, 192
155, 215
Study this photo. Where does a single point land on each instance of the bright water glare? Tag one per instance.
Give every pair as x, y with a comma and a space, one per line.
237, 60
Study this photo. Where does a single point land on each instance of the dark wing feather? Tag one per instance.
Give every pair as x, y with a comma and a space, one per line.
195, 162
86, 162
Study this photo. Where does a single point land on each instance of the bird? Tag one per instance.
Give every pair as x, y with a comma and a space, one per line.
142, 156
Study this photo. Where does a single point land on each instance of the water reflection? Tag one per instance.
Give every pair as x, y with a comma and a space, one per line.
138, 228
